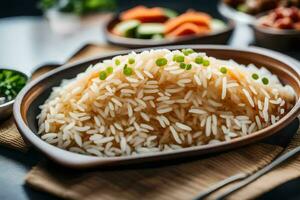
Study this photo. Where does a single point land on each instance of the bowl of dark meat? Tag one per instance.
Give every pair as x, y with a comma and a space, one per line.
279, 29
245, 11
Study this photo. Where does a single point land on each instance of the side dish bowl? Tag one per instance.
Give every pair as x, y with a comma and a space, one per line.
277, 39
26, 107
271, 38
271, 30
218, 37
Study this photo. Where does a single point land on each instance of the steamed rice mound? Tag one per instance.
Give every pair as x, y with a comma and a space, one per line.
150, 102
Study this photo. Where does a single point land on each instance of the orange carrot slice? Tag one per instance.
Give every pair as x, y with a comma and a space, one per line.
144, 14
188, 29
197, 18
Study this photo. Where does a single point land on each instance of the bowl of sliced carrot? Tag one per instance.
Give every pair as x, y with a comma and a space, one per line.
146, 27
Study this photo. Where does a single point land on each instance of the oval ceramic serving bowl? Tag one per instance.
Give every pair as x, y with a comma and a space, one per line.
26, 106
218, 37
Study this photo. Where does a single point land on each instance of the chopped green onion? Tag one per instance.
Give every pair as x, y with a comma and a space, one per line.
182, 65
11, 82
127, 71
178, 58
117, 62
223, 70
199, 60
161, 62
255, 76
131, 61
102, 75
205, 63
188, 66
187, 52
109, 70
265, 81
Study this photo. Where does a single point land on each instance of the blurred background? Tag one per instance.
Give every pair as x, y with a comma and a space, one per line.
31, 34
31, 7
38, 32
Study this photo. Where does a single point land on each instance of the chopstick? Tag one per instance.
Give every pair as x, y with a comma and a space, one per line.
260, 172
220, 184
249, 179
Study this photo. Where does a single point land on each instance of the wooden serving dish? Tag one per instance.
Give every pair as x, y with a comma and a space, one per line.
35, 93
219, 37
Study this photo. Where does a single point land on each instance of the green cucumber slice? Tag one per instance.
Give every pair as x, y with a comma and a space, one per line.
170, 13
148, 30
217, 25
126, 28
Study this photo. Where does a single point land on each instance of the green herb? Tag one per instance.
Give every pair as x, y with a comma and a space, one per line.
223, 70
131, 61
188, 66
265, 81
178, 58
11, 82
170, 13
182, 65
117, 62
109, 70
127, 71
79, 7
102, 75
187, 52
199, 60
243, 8
161, 62
205, 63
255, 76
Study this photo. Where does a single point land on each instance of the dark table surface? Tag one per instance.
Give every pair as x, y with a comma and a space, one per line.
14, 165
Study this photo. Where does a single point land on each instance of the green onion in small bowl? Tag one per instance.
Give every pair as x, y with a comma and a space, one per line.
11, 83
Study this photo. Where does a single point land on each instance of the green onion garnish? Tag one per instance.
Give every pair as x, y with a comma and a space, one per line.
265, 81
109, 70
161, 62
199, 60
178, 58
223, 70
182, 65
205, 63
127, 71
187, 52
131, 61
117, 62
102, 75
188, 66
255, 76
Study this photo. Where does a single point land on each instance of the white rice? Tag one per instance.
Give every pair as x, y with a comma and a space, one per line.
160, 108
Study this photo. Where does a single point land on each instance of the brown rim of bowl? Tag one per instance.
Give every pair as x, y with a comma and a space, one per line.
275, 31
75, 160
230, 25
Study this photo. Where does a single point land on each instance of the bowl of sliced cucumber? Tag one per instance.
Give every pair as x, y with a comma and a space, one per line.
149, 27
